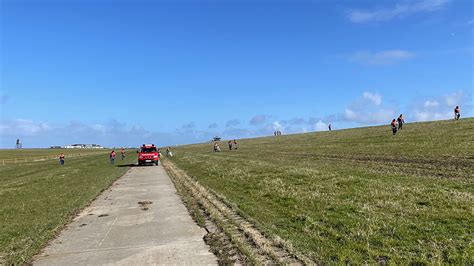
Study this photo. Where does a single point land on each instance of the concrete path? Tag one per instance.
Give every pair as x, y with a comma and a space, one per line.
116, 229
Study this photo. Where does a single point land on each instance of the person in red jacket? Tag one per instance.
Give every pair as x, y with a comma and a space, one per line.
394, 126
112, 157
457, 113
61, 159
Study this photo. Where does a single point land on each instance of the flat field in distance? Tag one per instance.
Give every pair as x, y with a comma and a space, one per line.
38, 198
353, 196
21, 154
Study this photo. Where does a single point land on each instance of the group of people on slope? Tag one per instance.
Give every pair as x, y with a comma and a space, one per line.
277, 133
397, 124
232, 145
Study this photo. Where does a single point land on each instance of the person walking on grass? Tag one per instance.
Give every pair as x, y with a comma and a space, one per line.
61, 159
457, 113
230, 145
216, 147
112, 157
394, 126
329, 126
400, 121
235, 144
122, 152
169, 153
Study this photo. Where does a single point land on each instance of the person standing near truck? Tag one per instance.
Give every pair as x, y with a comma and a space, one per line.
112, 157
169, 153
61, 159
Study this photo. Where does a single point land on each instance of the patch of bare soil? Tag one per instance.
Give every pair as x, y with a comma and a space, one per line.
144, 204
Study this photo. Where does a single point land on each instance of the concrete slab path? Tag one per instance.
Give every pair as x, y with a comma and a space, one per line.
116, 229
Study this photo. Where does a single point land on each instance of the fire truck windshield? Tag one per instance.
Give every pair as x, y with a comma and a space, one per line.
148, 149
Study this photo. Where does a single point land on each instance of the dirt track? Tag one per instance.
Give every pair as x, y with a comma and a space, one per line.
256, 246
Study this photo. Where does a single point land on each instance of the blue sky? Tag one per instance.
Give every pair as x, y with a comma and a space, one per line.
120, 73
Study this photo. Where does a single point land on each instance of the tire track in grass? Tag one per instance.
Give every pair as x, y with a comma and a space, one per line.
259, 248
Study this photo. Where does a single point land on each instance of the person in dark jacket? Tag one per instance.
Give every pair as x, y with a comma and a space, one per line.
400, 121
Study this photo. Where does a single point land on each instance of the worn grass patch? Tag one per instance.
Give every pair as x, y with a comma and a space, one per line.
356, 195
38, 198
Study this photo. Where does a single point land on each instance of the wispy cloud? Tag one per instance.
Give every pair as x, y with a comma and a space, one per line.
397, 11
258, 120
232, 123
213, 125
375, 98
368, 109
439, 108
111, 134
381, 58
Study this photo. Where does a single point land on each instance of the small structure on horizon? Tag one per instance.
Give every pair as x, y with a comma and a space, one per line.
83, 146
18, 144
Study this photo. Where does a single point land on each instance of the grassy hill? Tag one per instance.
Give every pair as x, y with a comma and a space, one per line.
355, 195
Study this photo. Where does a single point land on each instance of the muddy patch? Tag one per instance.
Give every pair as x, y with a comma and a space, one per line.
144, 205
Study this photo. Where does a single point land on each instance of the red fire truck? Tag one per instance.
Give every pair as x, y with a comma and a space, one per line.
148, 154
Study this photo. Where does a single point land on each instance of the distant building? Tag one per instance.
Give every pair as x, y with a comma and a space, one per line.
55, 147
83, 146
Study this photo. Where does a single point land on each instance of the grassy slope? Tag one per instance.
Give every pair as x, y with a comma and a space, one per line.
38, 198
358, 195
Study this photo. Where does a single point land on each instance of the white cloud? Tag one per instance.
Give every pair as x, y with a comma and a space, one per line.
429, 103
277, 126
373, 97
113, 133
320, 126
258, 119
398, 11
24, 127
381, 58
441, 107
350, 115
368, 109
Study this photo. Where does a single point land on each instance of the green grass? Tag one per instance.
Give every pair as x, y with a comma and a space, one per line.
9, 154
356, 195
38, 198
